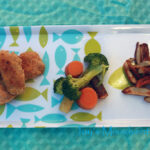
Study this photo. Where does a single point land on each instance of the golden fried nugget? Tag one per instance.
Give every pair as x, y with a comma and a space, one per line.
32, 65
12, 73
5, 97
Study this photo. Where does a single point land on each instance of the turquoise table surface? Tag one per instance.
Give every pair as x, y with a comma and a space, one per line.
48, 12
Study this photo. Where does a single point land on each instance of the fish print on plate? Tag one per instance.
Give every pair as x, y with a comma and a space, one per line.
74, 106
26, 107
43, 37
76, 56
23, 108
51, 118
60, 58
29, 50
31, 94
2, 36
79, 125
47, 67
15, 34
69, 36
92, 45
24, 121
27, 32
85, 116
10, 126
56, 101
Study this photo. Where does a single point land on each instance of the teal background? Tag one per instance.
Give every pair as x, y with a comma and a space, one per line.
48, 12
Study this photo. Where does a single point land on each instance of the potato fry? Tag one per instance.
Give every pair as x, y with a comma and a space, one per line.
136, 91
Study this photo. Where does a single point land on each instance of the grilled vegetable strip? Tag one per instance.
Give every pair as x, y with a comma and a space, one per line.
141, 53
100, 89
133, 68
143, 81
145, 64
136, 91
147, 99
144, 52
129, 74
144, 70
137, 70
137, 54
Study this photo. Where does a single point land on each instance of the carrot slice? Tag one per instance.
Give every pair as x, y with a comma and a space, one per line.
75, 68
100, 89
88, 98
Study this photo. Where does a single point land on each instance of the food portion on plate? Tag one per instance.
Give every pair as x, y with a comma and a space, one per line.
15, 70
32, 64
137, 70
12, 73
83, 86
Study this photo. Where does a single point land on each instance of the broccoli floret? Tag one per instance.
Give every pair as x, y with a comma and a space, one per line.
94, 59
71, 86
58, 85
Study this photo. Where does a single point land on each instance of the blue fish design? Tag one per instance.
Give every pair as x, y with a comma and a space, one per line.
60, 58
27, 32
14, 52
74, 106
2, 36
76, 56
51, 118
79, 125
24, 108
24, 121
46, 62
69, 36
55, 101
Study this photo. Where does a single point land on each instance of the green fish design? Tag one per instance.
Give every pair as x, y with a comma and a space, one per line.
43, 37
31, 93
84, 116
2, 108
10, 126
92, 46
118, 79
40, 127
29, 50
15, 34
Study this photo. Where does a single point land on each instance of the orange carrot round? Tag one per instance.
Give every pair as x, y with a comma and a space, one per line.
75, 68
88, 98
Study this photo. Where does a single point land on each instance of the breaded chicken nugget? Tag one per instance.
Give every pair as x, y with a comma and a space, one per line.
5, 97
12, 73
32, 65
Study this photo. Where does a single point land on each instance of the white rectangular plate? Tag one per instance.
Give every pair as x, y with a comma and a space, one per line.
59, 45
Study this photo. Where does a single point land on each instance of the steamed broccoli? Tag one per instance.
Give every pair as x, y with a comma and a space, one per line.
58, 85
94, 59
71, 86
